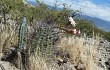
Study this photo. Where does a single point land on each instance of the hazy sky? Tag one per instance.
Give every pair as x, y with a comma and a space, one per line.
94, 8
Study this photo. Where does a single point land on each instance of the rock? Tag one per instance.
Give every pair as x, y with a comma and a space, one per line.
108, 64
7, 66
9, 55
80, 66
67, 66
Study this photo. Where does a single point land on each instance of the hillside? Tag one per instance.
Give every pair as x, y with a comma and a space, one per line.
101, 24
44, 39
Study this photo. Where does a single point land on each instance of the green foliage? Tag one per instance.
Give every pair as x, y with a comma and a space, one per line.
91, 30
15, 8
49, 15
54, 15
106, 35
87, 27
43, 40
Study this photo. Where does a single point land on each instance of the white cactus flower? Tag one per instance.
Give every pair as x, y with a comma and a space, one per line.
74, 31
72, 21
79, 32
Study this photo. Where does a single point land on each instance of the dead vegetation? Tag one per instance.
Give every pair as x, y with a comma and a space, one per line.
72, 53
82, 51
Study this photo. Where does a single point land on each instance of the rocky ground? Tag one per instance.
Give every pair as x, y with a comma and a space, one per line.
60, 59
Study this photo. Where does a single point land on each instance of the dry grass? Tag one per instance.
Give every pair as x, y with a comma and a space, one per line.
81, 49
37, 63
8, 36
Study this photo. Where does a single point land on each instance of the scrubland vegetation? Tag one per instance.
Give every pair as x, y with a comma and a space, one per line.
47, 48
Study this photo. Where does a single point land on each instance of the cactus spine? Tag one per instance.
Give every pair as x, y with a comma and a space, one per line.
21, 34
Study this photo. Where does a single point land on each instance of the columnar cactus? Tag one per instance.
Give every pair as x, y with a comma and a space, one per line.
21, 34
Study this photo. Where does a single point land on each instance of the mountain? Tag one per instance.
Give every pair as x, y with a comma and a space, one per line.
32, 3
35, 4
100, 23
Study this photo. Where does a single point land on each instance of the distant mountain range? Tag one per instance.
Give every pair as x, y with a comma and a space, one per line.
32, 3
100, 23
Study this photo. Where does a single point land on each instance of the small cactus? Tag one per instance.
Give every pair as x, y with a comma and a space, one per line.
21, 34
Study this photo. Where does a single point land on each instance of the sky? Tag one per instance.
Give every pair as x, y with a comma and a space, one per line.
93, 8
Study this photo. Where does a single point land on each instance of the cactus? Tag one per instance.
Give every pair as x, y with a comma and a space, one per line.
21, 34
21, 42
